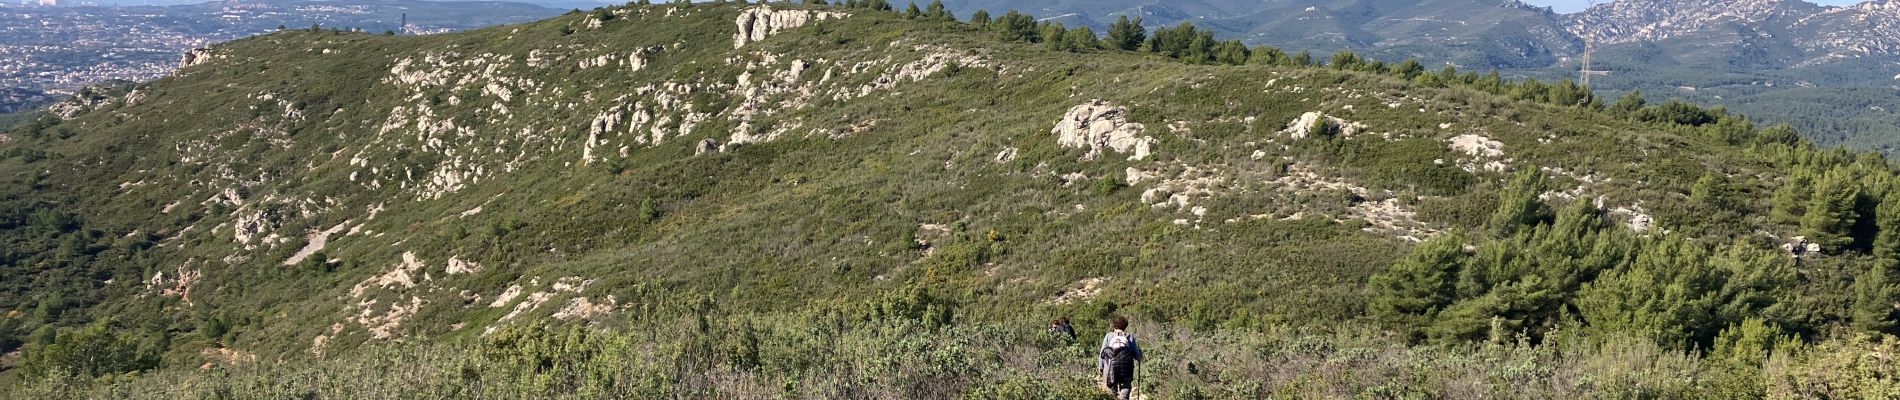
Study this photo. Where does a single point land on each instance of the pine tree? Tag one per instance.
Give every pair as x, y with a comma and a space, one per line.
911, 11
1421, 283
1779, 133
1887, 221
980, 19
1830, 211
1305, 58
1081, 38
1345, 59
1266, 55
1876, 300
1707, 193
1053, 36
936, 12
1126, 34
1200, 49
1015, 26
1231, 52
1518, 206
1410, 68
1790, 199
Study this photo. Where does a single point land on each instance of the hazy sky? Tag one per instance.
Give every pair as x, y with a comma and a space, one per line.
1574, 5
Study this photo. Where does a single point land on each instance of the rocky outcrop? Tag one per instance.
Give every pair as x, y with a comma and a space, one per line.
194, 57
1099, 125
1303, 126
1482, 153
757, 23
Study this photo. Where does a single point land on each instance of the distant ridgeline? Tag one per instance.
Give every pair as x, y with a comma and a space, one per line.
1829, 71
868, 201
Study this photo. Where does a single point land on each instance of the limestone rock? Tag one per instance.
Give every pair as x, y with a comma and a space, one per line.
757, 23
1099, 124
194, 57
1303, 126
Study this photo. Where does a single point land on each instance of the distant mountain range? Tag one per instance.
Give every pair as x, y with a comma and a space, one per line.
1830, 71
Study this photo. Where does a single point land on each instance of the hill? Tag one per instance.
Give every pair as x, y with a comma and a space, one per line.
813, 201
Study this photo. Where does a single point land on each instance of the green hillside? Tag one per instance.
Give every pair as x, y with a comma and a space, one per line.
845, 202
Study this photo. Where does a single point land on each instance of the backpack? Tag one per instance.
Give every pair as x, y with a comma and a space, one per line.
1120, 356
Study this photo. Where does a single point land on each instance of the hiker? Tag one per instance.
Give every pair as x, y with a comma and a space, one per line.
1119, 357
1060, 328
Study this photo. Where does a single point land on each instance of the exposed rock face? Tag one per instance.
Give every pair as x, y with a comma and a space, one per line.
1824, 33
1099, 124
1648, 20
757, 23
706, 146
1639, 219
1008, 153
1483, 153
1301, 127
195, 57
586, 309
315, 243
1477, 146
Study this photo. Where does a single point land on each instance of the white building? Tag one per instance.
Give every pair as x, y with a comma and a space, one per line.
49, 3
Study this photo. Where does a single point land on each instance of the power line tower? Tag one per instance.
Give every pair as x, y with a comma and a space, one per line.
1584, 73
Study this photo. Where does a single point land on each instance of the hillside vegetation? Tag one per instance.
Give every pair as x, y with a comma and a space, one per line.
865, 201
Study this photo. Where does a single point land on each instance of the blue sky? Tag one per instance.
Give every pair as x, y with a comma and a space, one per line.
1574, 5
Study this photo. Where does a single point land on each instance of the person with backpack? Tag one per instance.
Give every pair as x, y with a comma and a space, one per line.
1119, 358
1060, 328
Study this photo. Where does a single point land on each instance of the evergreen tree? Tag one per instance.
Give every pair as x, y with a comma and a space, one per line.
1126, 34
1305, 58
1518, 206
1182, 41
1780, 133
1790, 199
1421, 283
1830, 211
1231, 52
1200, 49
1629, 104
1054, 36
911, 11
936, 12
1267, 55
1081, 38
980, 19
1344, 59
1709, 194
1410, 68
1887, 221
1015, 26
1876, 301
1429, 80
95, 350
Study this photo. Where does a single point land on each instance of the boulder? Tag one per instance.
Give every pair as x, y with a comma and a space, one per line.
1099, 125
